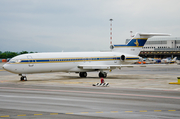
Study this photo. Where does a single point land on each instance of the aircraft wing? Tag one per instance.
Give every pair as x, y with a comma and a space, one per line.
106, 67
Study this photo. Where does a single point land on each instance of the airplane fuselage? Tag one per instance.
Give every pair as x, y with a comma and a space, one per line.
65, 61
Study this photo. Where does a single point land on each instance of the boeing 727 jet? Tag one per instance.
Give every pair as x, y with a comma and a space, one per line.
80, 62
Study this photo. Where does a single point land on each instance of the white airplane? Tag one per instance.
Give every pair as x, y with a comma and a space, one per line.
169, 60
80, 62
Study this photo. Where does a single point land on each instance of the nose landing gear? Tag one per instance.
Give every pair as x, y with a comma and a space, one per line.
23, 78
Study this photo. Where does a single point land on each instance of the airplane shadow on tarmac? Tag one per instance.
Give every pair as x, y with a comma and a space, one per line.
70, 77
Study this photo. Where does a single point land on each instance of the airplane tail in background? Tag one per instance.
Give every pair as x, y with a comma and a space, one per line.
173, 60
134, 46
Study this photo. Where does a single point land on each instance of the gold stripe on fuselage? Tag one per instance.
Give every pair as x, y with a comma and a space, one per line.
80, 59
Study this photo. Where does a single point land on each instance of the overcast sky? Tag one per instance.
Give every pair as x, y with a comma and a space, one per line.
81, 25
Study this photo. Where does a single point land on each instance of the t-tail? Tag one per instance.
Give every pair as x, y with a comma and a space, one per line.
134, 46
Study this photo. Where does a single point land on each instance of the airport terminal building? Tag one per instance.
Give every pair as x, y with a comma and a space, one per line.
161, 47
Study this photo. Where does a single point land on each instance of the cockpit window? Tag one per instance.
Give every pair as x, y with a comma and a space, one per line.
14, 61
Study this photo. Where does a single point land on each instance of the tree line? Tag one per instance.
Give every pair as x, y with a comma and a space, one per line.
8, 54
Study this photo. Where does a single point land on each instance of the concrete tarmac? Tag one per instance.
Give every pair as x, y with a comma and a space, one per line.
138, 93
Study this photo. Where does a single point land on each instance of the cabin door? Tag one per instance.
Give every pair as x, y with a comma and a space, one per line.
30, 61
115, 59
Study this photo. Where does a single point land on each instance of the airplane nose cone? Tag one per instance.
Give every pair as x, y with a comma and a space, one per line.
6, 67
10, 68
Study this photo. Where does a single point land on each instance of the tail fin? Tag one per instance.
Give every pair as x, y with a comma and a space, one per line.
174, 59
135, 45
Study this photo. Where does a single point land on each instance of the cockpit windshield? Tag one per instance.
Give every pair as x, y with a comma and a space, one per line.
14, 60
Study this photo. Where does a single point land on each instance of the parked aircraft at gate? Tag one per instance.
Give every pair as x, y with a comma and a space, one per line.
80, 62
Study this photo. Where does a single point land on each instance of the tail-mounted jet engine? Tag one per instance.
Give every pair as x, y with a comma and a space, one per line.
123, 58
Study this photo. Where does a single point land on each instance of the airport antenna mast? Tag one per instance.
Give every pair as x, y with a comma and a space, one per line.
111, 44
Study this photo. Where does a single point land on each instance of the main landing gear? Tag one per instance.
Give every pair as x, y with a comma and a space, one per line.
102, 74
83, 74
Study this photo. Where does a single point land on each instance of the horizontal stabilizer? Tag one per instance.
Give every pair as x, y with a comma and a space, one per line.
149, 35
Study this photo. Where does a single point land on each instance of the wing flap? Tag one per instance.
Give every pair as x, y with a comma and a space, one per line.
94, 66
105, 67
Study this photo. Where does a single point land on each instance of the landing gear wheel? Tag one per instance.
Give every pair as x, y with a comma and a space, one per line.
23, 78
102, 74
83, 74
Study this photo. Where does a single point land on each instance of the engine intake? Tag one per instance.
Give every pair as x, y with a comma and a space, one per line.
123, 58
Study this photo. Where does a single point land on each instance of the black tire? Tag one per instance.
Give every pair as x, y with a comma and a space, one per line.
83, 74
23, 78
105, 74
102, 74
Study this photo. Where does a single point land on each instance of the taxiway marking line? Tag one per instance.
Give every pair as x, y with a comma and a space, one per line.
5, 116
53, 113
171, 110
100, 112
2, 70
22, 115
37, 114
69, 113
143, 111
128, 111
86, 92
